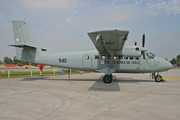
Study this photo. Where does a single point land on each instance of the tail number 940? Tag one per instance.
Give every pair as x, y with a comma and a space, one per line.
62, 60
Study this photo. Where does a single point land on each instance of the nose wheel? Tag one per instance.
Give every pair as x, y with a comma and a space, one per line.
158, 78
107, 78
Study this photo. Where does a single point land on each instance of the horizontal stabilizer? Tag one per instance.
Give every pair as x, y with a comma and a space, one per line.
23, 46
27, 46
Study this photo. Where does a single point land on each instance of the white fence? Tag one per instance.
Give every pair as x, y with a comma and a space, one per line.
23, 70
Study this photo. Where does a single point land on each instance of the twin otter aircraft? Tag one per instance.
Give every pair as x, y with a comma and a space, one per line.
112, 56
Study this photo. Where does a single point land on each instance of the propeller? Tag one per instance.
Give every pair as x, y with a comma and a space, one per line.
143, 44
143, 50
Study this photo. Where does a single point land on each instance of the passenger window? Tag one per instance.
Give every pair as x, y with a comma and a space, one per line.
115, 57
96, 56
137, 58
131, 58
87, 57
109, 56
120, 57
103, 57
126, 58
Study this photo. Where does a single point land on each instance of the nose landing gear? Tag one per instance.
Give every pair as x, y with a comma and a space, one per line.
157, 78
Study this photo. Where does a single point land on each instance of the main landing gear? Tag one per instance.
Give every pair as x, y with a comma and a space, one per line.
107, 78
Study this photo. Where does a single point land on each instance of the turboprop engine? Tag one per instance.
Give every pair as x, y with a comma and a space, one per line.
133, 51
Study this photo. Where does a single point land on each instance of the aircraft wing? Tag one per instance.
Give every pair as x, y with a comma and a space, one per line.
109, 40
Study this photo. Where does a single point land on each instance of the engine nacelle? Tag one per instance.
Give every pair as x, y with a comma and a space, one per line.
131, 51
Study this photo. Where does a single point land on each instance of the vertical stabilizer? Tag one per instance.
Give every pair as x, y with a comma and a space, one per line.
27, 46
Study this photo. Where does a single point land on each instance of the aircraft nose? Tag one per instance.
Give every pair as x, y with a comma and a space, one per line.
166, 65
163, 64
169, 65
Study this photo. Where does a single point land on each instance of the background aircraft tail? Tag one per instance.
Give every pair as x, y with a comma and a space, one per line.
27, 46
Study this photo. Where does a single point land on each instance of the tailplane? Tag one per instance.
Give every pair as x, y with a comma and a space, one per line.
27, 46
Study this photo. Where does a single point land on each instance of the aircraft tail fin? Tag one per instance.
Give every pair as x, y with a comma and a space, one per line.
27, 46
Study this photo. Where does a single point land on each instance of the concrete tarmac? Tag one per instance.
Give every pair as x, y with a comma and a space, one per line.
86, 97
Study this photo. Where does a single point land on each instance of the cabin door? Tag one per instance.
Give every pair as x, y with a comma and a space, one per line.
87, 61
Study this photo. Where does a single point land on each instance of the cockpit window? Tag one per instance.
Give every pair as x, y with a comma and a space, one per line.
153, 54
150, 55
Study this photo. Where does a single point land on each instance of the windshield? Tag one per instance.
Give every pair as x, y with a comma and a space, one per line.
150, 55
153, 54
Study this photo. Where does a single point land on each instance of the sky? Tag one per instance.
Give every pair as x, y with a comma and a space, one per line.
62, 25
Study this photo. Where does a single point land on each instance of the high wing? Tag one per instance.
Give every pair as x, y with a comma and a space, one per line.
109, 40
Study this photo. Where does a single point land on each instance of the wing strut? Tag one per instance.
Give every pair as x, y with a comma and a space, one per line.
112, 58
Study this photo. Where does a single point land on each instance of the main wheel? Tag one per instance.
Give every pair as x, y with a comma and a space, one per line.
158, 78
111, 75
107, 79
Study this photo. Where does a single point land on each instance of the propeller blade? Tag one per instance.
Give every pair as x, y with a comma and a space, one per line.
135, 43
144, 56
143, 40
143, 44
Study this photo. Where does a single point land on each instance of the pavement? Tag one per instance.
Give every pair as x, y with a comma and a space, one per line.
86, 97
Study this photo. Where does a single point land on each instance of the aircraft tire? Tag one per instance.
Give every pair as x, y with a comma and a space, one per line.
107, 79
111, 75
157, 78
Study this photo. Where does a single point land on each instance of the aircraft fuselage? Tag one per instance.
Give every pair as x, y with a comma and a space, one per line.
92, 60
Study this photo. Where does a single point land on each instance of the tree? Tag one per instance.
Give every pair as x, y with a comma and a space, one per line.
1, 62
16, 61
178, 62
173, 61
178, 57
34, 64
21, 63
8, 60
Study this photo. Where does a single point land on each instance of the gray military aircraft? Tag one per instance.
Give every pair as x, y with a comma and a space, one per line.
112, 56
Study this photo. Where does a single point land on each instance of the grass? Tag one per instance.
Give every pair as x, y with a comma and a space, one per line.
22, 74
